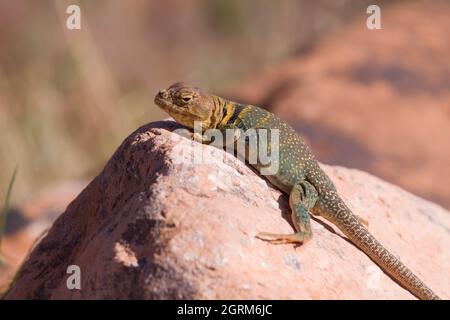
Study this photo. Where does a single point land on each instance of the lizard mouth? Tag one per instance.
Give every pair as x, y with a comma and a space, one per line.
167, 105
181, 114
162, 102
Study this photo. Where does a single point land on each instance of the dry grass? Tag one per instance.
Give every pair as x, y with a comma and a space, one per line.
68, 98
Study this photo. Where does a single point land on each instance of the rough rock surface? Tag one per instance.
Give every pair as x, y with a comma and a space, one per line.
29, 221
376, 100
154, 225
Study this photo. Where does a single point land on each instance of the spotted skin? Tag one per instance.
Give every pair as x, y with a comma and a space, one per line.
299, 175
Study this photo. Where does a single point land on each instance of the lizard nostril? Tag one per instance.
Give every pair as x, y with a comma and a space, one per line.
163, 94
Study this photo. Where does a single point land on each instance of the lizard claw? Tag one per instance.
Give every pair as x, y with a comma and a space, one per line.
363, 221
276, 238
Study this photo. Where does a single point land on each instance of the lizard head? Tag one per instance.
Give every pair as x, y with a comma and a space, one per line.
187, 104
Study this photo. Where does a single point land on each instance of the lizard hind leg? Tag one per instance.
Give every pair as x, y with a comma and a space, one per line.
300, 201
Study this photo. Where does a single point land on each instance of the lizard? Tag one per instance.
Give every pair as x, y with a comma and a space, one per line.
299, 175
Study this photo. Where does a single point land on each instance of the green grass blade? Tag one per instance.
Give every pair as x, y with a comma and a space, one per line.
5, 210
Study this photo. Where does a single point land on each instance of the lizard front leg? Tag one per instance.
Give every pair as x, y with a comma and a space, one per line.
217, 138
302, 198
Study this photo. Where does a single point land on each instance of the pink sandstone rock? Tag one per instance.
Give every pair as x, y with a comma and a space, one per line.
29, 221
153, 225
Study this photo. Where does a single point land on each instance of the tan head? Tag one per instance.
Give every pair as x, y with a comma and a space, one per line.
187, 104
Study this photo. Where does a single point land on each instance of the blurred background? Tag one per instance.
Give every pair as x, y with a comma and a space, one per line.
69, 97
376, 100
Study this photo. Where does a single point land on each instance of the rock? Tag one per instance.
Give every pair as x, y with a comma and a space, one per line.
26, 223
376, 100
154, 225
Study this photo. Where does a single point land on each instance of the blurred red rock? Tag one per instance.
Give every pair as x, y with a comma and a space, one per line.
375, 100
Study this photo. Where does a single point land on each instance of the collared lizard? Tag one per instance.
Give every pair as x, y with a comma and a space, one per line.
299, 175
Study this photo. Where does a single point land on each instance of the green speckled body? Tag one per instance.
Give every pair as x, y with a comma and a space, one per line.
298, 167
297, 163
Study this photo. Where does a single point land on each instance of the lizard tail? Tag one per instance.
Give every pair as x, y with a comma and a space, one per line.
333, 208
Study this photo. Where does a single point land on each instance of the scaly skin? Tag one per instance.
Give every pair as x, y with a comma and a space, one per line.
299, 175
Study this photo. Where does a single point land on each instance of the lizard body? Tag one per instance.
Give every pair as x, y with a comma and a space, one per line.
299, 175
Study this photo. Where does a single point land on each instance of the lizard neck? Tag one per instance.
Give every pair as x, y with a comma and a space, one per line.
224, 111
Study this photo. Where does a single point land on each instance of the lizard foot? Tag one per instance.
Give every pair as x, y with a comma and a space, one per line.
277, 238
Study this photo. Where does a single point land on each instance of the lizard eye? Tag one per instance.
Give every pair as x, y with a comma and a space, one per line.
186, 98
